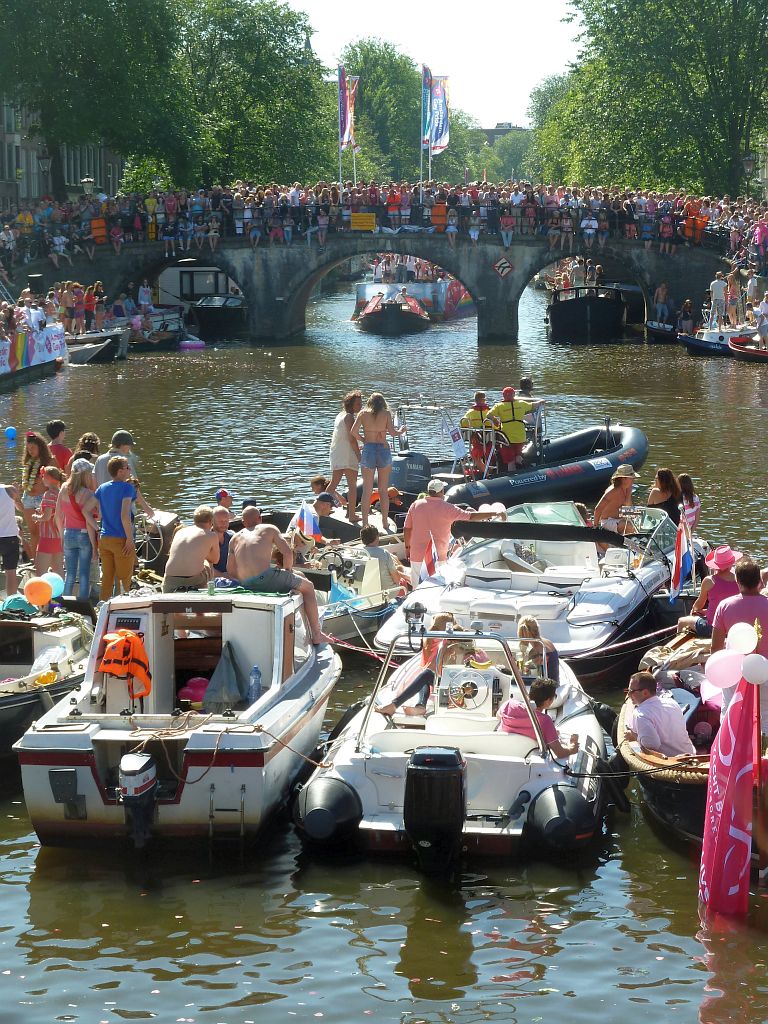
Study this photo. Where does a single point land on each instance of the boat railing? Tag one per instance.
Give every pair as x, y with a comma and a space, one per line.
417, 635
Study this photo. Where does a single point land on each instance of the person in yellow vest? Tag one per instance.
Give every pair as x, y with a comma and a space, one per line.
475, 419
508, 416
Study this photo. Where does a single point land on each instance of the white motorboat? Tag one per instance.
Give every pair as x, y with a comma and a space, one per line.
352, 596
545, 563
445, 783
115, 761
42, 658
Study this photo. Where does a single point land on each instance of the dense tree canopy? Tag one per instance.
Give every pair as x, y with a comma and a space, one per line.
664, 92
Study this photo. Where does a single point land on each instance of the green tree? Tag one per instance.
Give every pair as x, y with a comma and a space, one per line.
509, 154
687, 82
256, 90
97, 70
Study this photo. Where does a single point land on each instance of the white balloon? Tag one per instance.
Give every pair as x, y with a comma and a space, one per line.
754, 668
742, 638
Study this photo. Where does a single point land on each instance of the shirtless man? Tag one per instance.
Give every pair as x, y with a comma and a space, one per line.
194, 552
249, 561
615, 497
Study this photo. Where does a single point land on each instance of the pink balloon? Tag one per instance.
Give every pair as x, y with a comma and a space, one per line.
723, 668
710, 694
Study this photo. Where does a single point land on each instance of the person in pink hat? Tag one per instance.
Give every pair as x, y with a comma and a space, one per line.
714, 589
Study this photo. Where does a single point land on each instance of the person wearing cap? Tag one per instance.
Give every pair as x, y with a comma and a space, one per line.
514, 718
224, 499
616, 496
194, 552
430, 519
122, 444
76, 509
508, 416
323, 506
714, 589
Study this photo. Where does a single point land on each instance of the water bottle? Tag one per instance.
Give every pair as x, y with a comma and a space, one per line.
254, 685
212, 588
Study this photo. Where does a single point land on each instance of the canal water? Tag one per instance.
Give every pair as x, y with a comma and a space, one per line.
88, 936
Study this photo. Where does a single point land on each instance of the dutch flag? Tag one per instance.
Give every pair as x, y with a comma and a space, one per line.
682, 563
429, 565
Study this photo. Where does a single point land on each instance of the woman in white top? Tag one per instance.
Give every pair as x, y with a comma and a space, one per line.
345, 451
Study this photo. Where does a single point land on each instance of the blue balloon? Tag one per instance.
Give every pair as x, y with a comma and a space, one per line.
10, 433
55, 582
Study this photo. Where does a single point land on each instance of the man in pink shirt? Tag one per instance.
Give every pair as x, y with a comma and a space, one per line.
430, 519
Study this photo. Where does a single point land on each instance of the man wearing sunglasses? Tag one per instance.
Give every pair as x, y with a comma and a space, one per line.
656, 723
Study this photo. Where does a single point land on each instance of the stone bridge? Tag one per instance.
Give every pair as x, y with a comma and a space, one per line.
277, 281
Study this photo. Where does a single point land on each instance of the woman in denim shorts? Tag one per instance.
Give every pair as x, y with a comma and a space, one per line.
372, 425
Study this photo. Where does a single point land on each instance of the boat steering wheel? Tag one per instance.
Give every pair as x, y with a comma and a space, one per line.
467, 691
331, 558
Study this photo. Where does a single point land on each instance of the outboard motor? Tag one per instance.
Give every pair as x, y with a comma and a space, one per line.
138, 792
434, 806
411, 472
329, 811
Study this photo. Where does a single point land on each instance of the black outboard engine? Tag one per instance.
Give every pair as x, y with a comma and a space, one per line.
138, 792
329, 811
434, 806
411, 472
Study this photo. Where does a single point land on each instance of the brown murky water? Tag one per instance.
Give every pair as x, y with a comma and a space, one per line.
88, 937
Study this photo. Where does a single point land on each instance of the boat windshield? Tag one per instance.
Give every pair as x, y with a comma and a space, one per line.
659, 533
553, 513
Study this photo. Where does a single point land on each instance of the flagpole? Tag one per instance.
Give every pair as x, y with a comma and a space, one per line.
761, 823
354, 167
341, 184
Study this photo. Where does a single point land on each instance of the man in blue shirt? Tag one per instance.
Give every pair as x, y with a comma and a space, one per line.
116, 545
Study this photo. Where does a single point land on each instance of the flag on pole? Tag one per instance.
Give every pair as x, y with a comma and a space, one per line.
682, 561
439, 122
727, 848
308, 521
429, 565
347, 94
426, 105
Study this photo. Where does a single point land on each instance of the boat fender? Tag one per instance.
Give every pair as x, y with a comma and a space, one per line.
562, 818
606, 717
344, 721
328, 810
615, 783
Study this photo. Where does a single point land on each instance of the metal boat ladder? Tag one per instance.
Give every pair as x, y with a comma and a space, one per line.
221, 837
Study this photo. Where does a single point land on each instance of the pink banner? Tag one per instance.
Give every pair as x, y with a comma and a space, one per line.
726, 853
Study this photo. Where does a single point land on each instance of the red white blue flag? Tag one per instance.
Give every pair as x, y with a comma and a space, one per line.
308, 521
682, 563
429, 565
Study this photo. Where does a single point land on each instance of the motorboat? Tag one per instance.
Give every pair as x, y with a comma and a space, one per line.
139, 752
98, 346
221, 317
748, 349
714, 342
544, 562
444, 784
444, 299
402, 314
577, 465
660, 331
42, 658
586, 314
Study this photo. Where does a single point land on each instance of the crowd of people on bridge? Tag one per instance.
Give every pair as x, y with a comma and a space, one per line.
192, 221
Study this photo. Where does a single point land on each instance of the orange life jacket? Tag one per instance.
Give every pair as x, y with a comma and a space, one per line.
125, 656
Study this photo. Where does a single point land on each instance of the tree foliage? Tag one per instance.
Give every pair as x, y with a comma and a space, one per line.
664, 92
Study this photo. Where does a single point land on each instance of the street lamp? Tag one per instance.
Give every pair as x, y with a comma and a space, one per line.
748, 163
44, 161
87, 184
